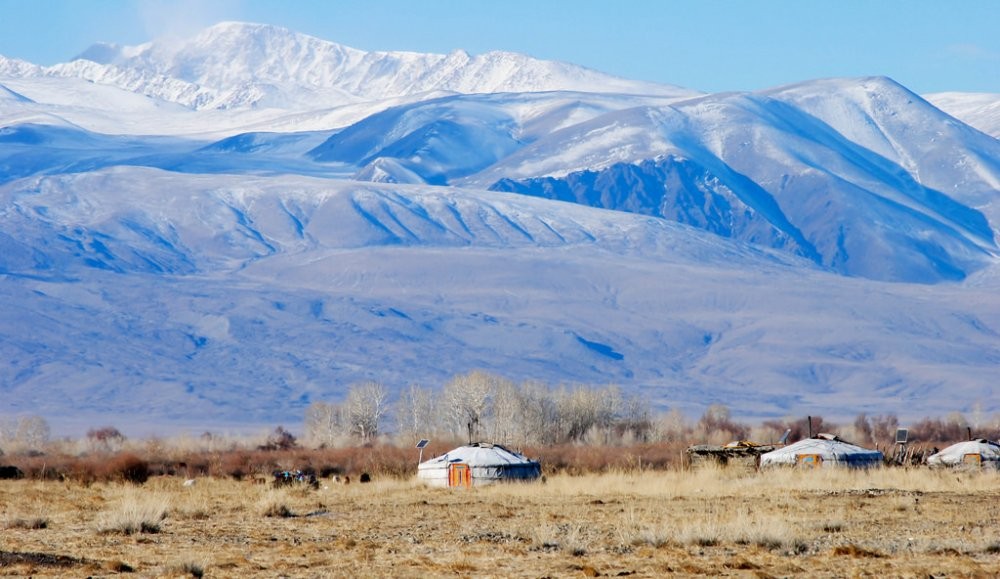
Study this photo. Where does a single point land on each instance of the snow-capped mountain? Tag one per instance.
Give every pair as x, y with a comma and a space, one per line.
227, 227
234, 65
827, 168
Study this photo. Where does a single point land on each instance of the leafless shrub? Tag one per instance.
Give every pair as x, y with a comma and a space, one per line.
280, 439
105, 439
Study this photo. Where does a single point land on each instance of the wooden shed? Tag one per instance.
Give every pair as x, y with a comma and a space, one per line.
740, 453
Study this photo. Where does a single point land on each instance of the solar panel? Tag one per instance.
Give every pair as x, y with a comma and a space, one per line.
423, 442
901, 435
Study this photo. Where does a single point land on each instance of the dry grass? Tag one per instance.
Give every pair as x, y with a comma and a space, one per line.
135, 511
628, 523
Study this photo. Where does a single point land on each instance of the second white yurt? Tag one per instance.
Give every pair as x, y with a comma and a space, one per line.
979, 453
820, 451
479, 463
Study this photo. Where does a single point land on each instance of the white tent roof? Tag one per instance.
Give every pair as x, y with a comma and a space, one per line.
478, 454
829, 447
956, 453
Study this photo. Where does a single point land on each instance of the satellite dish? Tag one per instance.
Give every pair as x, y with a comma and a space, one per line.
901, 435
784, 437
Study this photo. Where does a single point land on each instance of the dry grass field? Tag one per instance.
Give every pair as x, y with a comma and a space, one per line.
707, 522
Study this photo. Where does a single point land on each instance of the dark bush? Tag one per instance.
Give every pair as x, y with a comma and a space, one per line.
280, 439
128, 468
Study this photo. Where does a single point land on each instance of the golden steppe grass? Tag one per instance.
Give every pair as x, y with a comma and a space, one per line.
706, 522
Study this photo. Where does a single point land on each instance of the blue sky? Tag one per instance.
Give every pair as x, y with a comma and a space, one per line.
710, 45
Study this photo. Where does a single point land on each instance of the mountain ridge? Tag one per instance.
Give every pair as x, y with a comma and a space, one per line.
824, 248
237, 65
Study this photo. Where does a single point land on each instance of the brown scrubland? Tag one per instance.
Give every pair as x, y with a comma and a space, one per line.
635, 510
618, 498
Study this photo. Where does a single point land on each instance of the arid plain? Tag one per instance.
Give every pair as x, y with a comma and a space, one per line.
706, 522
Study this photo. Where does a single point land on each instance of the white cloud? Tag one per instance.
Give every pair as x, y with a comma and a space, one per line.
182, 18
971, 51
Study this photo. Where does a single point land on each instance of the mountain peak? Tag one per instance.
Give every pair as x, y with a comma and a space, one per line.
101, 53
237, 64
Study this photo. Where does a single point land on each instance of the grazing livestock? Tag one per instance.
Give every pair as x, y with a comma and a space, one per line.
10, 473
290, 477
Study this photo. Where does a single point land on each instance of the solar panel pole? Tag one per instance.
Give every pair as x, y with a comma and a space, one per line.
423, 442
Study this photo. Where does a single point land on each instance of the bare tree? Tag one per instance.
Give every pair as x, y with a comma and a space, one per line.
105, 439
635, 419
325, 423
23, 433
609, 404
674, 426
468, 400
579, 411
416, 416
32, 432
507, 412
367, 403
539, 421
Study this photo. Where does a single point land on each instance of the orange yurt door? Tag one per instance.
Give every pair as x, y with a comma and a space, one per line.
459, 475
809, 460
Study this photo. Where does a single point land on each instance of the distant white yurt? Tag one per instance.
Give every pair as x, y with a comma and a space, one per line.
979, 453
822, 450
479, 463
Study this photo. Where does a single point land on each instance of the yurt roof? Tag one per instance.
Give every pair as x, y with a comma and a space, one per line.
822, 444
988, 449
479, 454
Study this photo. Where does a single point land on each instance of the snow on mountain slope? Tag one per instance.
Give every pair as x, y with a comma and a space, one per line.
200, 300
223, 223
46, 144
8, 96
112, 110
860, 176
844, 204
443, 139
882, 116
235, 65
979, 110
457, 137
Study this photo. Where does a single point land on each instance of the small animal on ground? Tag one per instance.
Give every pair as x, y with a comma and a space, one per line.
10, 473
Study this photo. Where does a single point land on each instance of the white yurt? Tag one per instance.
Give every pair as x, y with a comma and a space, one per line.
478, 463
980, 453
822, 450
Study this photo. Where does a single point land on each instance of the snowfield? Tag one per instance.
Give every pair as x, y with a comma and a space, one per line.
224, 230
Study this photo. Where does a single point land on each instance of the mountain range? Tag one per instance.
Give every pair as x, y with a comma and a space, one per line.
223, 229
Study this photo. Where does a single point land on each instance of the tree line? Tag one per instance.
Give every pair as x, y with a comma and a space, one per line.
479, 406
482, 406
